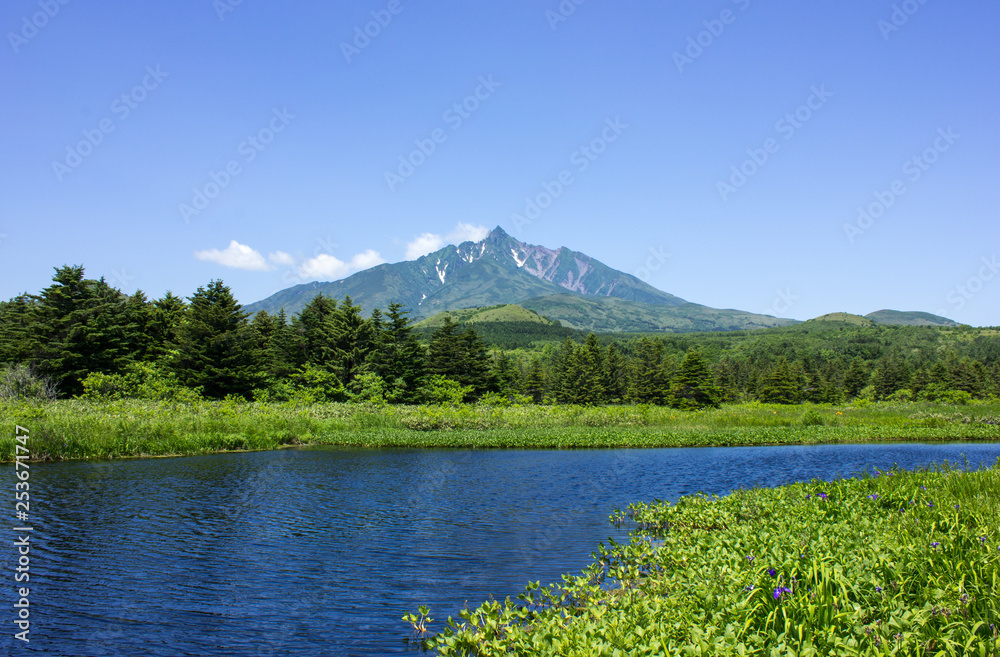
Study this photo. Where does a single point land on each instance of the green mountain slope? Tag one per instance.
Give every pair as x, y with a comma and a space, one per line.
607, 315
909, 318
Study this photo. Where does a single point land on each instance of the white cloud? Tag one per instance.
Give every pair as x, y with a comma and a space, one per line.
281, 258
468, 233
236, 255
430, 242
325, 266
421, 246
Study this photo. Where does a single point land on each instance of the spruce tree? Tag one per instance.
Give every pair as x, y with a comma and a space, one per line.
780, 386
215, 346
693, 385
396, 355
649, 380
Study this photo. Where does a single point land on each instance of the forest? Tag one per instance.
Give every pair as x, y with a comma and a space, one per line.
84, 338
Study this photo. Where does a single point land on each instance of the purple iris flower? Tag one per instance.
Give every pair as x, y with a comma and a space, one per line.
935, 544
772, 572
778, 592
823, 495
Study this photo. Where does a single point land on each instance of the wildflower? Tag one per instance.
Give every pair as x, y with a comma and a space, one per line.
823, 495
878, 473
873, 496
772, 572
935, 544
982, 539
956, 506
878, 589
781, 590
748, 588
808, 496
923, 488
749, 558
930, 504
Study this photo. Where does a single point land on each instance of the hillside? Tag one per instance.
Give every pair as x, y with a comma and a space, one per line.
606, 315
909, 318
507, 326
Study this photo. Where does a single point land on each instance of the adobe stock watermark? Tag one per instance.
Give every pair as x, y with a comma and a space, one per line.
455, 116
38, 20
580, 160
714, 28
363, 34
120, 279
654, 262
787, 127
122, 107
900, 16
913, 169
223, 7
783, 302
249, 149
960, 295
562, 13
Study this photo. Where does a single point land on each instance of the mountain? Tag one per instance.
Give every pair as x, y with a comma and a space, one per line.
842, 318
502, 270
909, 318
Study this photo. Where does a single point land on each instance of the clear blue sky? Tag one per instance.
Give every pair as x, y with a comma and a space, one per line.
175, 93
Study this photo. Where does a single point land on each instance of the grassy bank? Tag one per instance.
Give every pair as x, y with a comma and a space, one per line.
896, 564
79, 429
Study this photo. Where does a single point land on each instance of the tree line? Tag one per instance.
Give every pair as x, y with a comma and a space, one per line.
83, 337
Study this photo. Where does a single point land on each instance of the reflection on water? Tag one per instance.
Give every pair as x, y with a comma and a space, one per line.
321, 551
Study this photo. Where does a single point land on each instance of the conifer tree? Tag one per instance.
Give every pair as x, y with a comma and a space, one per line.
396, 355
780, 386
649, 380
215, 347
615, 380
534, 382
693, 385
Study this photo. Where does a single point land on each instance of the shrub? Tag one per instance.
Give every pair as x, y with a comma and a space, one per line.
22, 382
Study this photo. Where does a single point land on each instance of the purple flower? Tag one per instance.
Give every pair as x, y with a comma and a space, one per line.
808, 497
878, 589
982, 539
930, 504
935, 544
956, 506
748, 588
823, 495
873, 496
778, 592
772, 572
923, 488
750, 558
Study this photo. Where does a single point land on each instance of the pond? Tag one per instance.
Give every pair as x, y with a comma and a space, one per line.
321, 551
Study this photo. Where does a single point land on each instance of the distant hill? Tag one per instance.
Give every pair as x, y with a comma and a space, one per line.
843, 318
909, 318
608, 315
508, 326
560, 283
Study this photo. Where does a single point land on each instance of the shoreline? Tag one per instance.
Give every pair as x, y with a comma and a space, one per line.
79, 430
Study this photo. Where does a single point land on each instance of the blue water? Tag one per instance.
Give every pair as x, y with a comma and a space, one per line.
321, 551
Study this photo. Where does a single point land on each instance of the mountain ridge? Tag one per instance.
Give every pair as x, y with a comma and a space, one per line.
503, 270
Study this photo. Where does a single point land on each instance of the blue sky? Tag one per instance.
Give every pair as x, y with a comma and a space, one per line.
722, 151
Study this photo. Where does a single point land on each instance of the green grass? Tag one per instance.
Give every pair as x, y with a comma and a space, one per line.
77, 429
901, 563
